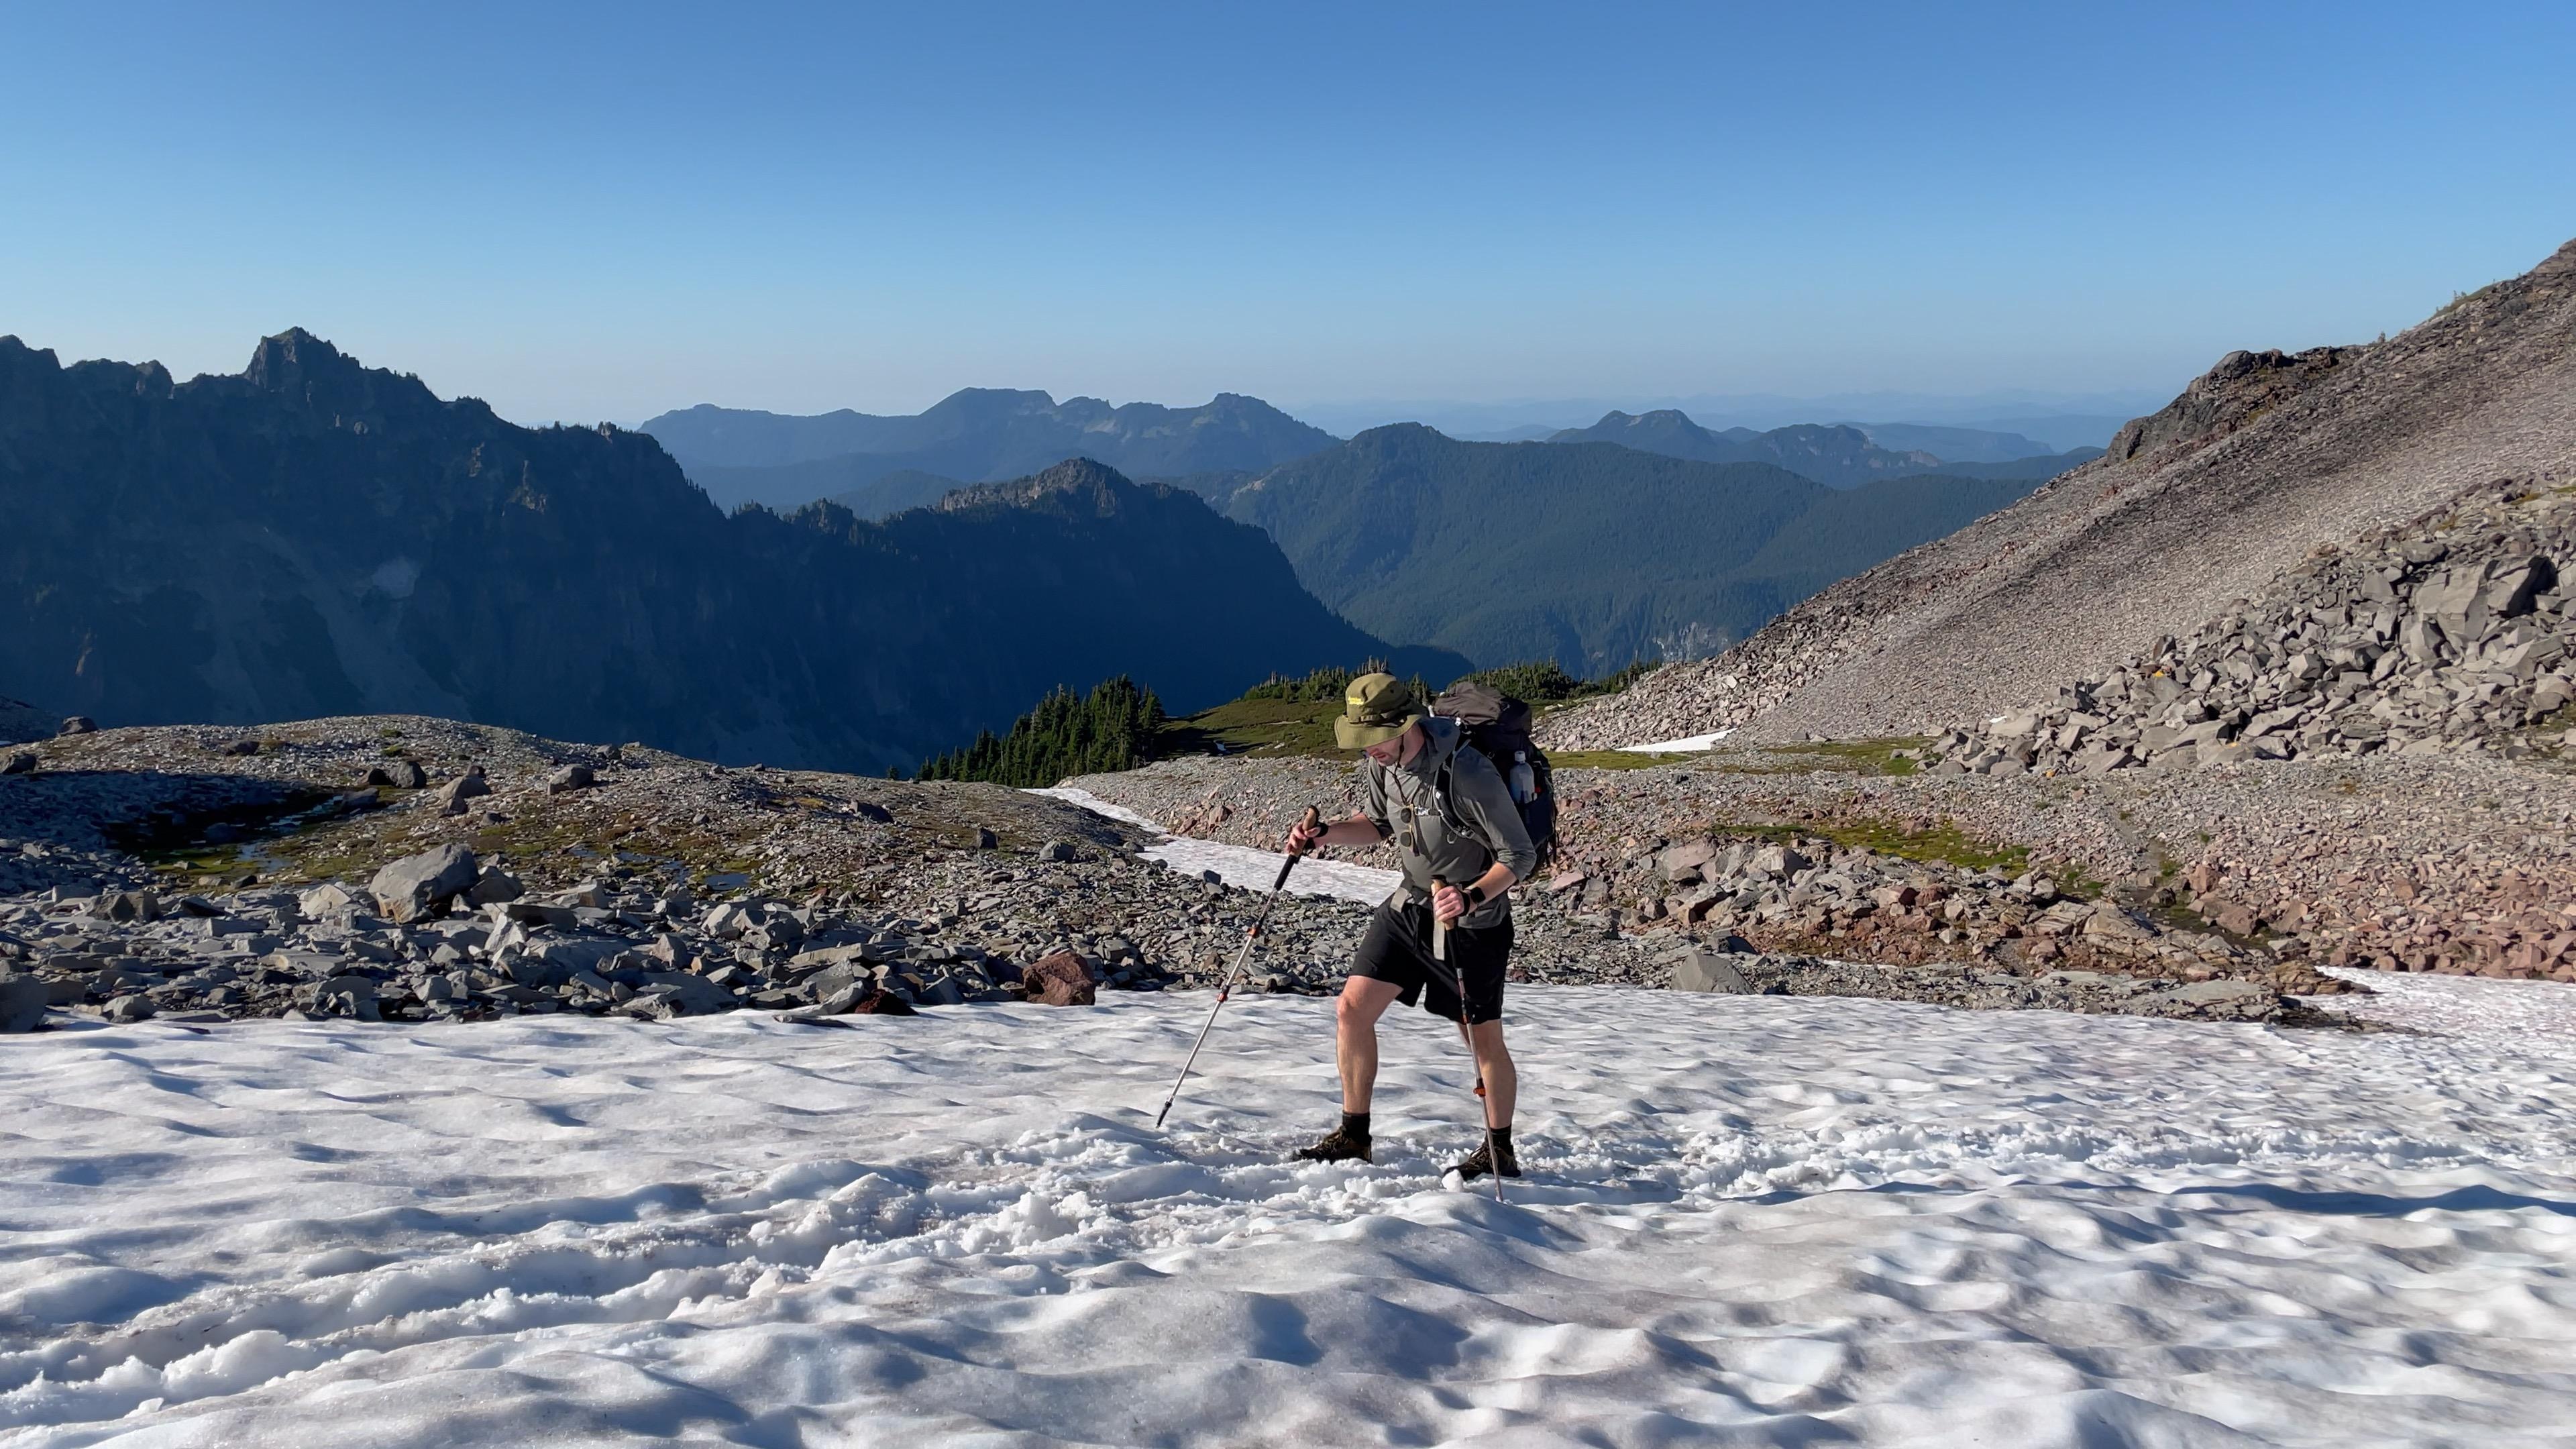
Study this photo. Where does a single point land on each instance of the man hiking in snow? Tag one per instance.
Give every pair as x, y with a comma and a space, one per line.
1462, 845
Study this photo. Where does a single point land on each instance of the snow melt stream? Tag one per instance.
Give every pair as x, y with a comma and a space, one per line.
1750, 1220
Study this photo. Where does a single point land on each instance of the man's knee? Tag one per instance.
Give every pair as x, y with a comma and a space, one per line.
1362, 1002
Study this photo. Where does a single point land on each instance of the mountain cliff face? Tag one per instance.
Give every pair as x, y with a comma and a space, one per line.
2265, 461
979, 435
316, 537
1837, 456
1589, 554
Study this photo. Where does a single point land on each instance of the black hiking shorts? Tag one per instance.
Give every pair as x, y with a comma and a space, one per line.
1397, 950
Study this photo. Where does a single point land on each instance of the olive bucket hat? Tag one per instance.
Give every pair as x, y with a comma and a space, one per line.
1376, 708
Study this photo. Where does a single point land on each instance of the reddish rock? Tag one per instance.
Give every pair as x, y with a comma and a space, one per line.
1063, 979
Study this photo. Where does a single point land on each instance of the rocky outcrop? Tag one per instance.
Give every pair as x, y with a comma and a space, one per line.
2453, 632
2259, 463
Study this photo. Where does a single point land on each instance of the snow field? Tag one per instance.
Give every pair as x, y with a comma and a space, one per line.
1686, 745
1239, 865
1749, 1220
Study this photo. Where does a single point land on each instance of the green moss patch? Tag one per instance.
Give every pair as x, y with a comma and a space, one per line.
1943, 844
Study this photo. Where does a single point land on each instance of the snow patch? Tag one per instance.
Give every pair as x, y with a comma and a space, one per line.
395, 577
1241, 865
1687, 745
1750, 1219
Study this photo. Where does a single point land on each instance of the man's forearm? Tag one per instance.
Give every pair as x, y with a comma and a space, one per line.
1497, 879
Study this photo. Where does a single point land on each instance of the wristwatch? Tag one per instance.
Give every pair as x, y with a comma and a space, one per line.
1475, 895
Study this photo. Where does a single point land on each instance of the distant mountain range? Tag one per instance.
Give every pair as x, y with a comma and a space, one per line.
976, 435
1964, 445
1838, 457
2056, 421
315, 537
1589, 553
1844, 455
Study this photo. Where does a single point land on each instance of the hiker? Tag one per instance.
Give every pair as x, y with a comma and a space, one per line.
1463, 844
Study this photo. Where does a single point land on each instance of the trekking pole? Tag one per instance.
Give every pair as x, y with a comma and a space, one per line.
1225, 986
1458, 983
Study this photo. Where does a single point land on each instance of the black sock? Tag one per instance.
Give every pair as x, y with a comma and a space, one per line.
1502, 1138
1355, 1124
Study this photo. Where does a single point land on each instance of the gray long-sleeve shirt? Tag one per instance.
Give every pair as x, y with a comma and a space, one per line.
1403, 802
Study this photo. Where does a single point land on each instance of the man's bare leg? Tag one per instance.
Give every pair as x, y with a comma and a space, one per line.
1364, 999
1502, 1079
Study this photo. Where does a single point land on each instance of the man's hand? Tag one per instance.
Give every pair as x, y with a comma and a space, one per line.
1448, 903
1308, 832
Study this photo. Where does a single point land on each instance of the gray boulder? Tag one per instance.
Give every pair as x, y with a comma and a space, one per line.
79, 724
2222, 998
1701, 971
568, 779
453, 795
353, 997
493, 886
688, 995
1687, 860
126, 1010
22, 1003
324, 901
127, 906
398, 775
18, 762
417, 887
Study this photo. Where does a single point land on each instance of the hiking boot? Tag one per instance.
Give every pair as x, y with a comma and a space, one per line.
1339, 1145
1481, 1161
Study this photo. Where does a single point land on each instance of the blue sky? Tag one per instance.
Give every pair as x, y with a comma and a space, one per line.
586, 212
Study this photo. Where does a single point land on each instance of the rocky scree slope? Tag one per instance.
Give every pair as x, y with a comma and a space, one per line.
2258, 462
1671, 862
2455, 632
2459, 863
416, 869
410, 869
315, 537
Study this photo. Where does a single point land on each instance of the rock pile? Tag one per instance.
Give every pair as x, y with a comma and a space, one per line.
1651, 857
447, 939
2455, 632
1808, 894
1954, 983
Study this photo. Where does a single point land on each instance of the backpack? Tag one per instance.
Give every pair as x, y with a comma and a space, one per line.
1499, 727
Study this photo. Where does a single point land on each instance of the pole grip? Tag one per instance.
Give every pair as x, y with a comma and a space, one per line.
1313, 816
1439, 927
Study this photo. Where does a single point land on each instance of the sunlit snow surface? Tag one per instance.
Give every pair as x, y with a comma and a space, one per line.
1686, 745
1750, 1220
1241, 865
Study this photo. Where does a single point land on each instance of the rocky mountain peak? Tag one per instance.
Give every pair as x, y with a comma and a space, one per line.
294, 356
1078, 480
2237, 389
